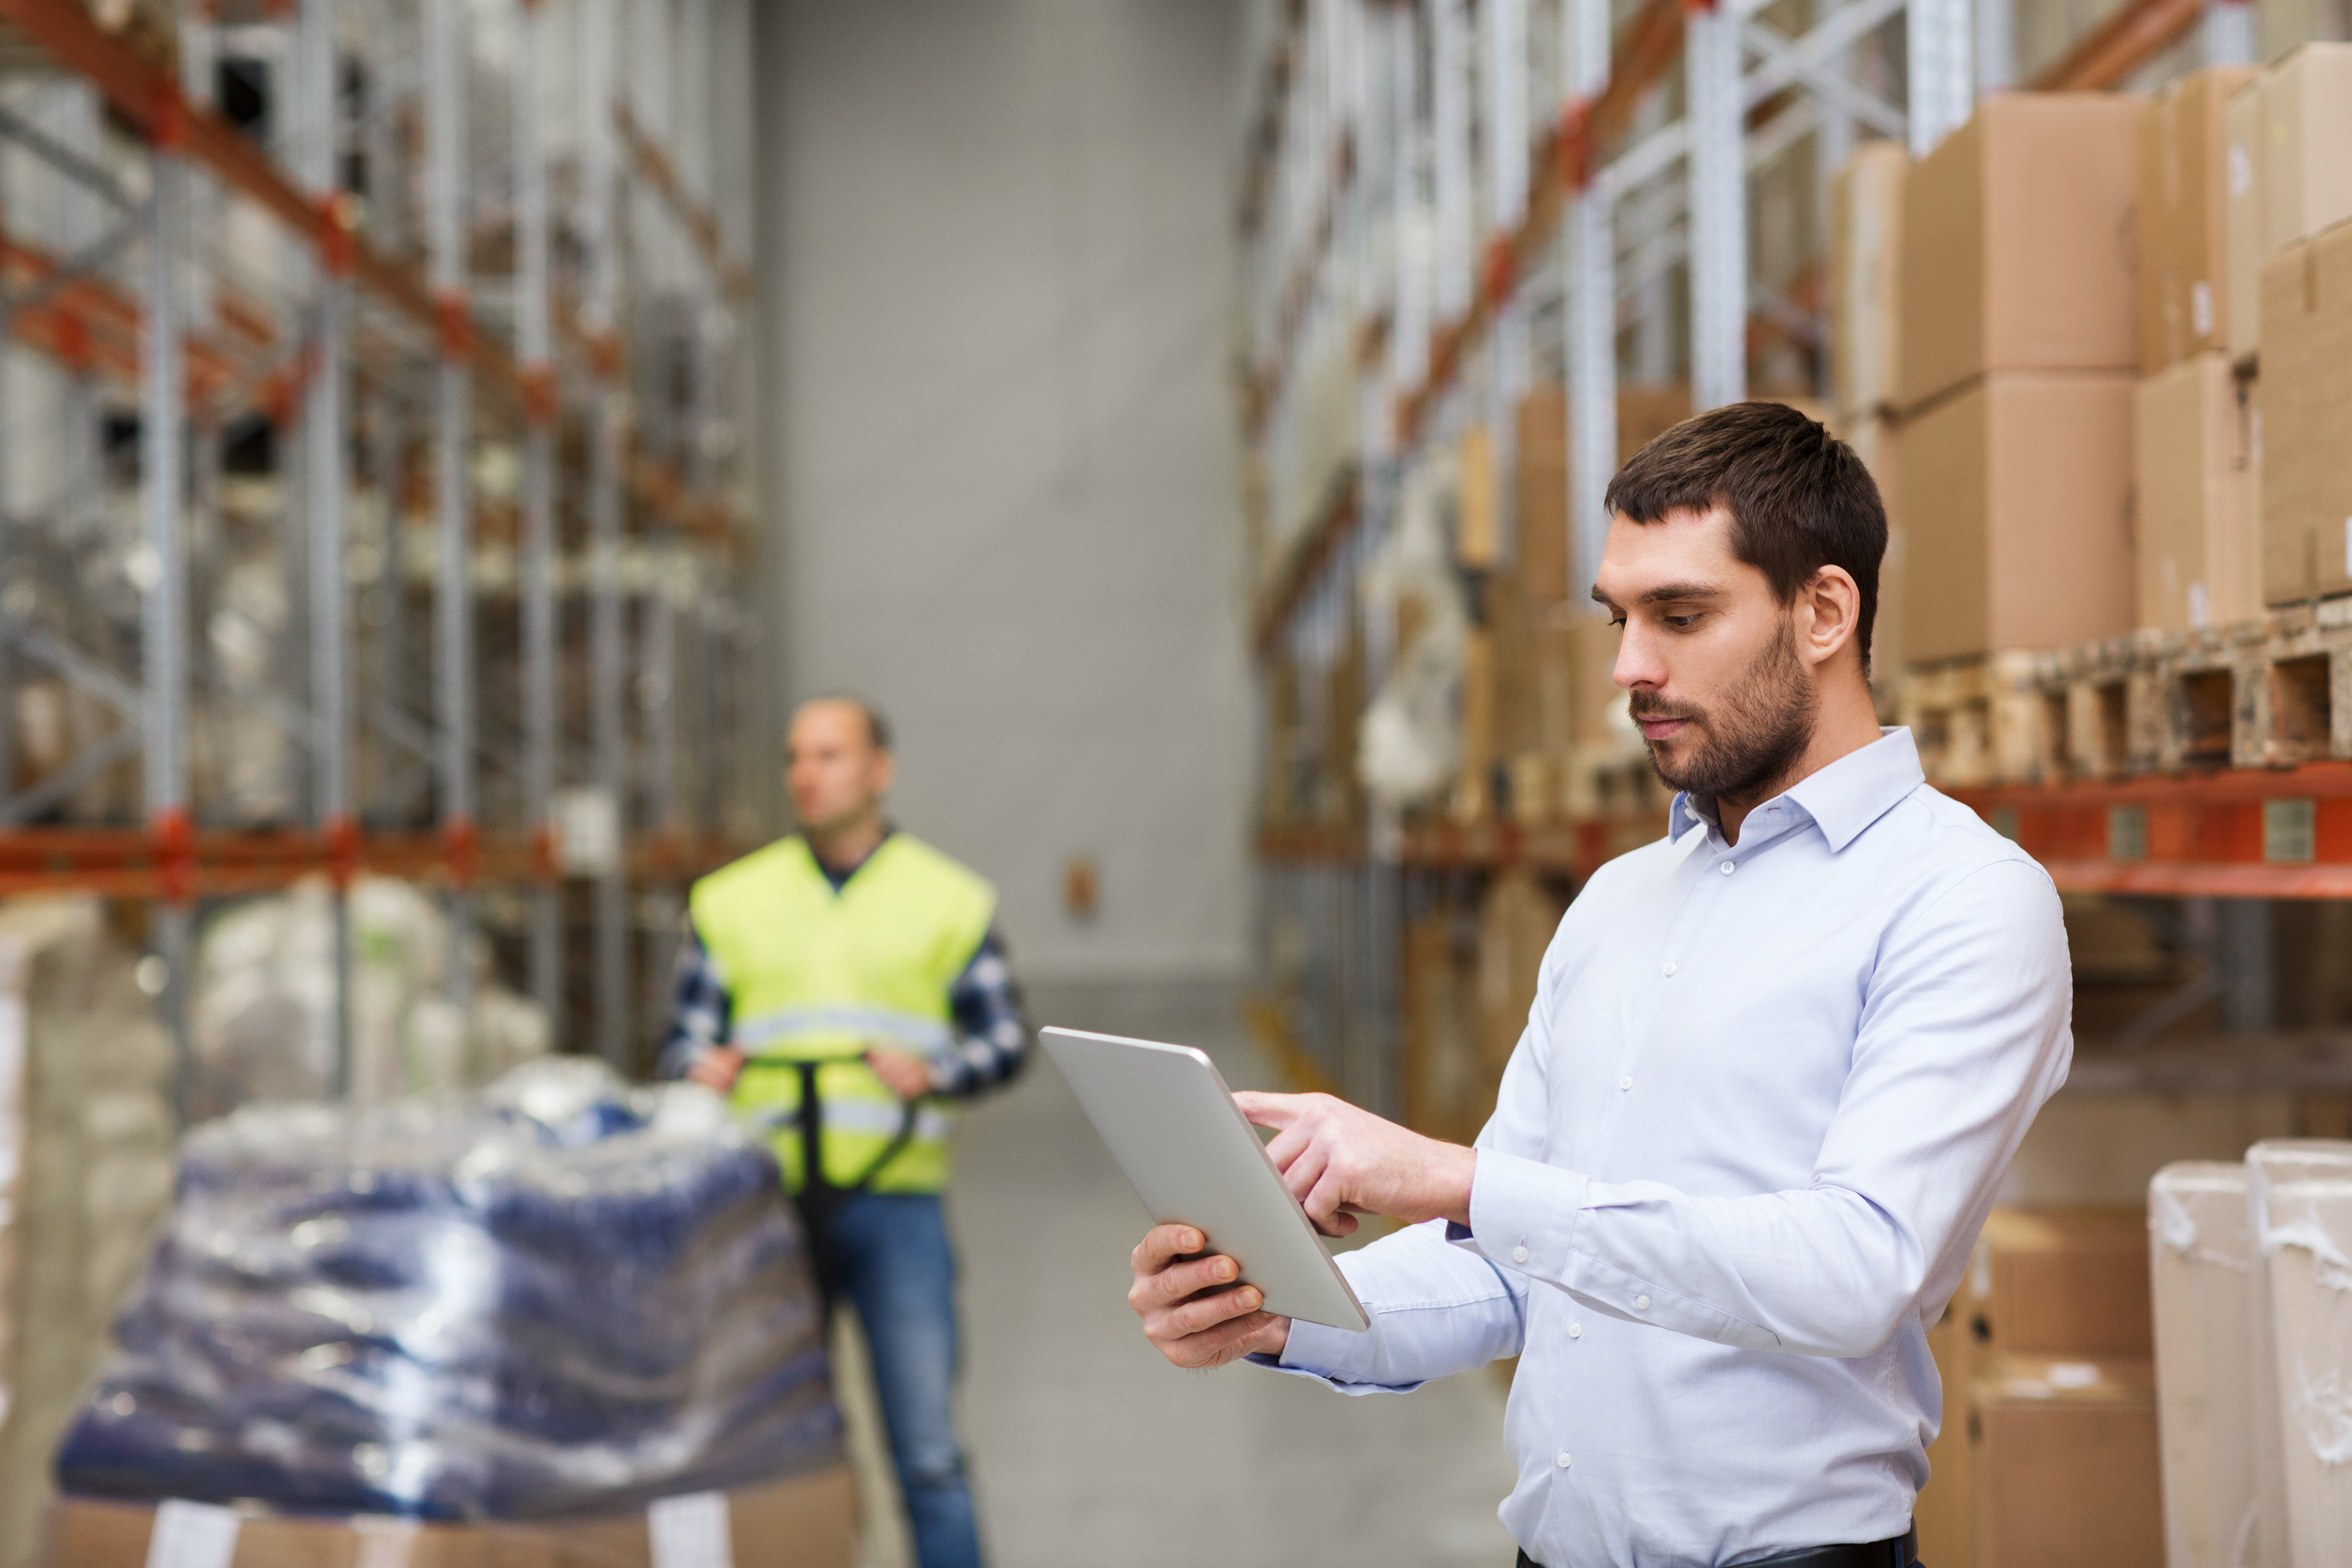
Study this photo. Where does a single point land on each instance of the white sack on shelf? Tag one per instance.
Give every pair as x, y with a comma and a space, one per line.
1411, 735
261, 1021
85, 1172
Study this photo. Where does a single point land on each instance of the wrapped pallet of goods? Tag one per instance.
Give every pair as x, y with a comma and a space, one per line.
2308, 1226
2302, 1347
2199, 1254
543, 1311
85, 1171
2049, 1430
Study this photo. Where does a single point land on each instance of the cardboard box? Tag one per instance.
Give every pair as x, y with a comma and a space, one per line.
2018, 242
2306, 144
2059, 1282
1477, 531
1945, 1514
2016, 513
2199, 1251
2103, 1149
1874, 440
2182, 202
2305, 440
1865, 256
1541, 487
2064, 1465
1447, 1092
1542, 471
2200, 561
2242, 221
1516, 924
809, 1522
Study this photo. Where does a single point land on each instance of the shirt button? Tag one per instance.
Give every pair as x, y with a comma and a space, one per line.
1727, 868
1670, 966
1641, 1303
1518, 1254
1576, 1330
1563, 1460
1624, 1083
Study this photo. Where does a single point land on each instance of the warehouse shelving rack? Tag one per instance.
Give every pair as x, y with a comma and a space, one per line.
1454, 245
422, 279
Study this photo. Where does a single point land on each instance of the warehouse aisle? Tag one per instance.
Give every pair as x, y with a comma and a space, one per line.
1090, 1451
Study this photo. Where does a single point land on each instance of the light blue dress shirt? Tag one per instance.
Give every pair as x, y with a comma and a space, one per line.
1739, 1158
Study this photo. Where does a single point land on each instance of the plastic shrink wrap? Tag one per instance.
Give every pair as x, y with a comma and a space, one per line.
2303, 1201
556, 1296
2201, 1254
85, 1171
262, 1020
2282, 1457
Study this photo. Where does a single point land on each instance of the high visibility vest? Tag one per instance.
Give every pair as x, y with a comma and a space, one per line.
816, 976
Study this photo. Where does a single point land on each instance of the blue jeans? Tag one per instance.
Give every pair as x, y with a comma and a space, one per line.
887, 1254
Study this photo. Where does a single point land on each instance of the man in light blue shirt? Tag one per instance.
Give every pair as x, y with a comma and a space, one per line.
1776, 1066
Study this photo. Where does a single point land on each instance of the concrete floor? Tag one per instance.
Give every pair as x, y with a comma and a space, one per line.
1090, 1451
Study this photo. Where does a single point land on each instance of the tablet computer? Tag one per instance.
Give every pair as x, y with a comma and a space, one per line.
1193, 1158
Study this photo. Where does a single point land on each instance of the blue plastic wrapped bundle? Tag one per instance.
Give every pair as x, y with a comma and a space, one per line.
557, 1296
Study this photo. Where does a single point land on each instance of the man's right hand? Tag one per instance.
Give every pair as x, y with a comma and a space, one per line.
1192, 1309
717, 1067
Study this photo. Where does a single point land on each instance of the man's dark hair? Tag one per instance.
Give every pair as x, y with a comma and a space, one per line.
1798, 497
878, 727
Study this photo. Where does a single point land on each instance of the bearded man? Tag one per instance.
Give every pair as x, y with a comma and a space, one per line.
1777, 1063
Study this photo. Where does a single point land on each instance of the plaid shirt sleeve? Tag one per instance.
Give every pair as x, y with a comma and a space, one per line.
991, 1037
991, 1043
702, 1013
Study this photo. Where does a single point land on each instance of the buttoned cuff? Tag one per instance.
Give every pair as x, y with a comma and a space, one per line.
1523, 1214
1324, 1354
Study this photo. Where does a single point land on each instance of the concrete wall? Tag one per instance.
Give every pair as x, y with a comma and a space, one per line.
996, 262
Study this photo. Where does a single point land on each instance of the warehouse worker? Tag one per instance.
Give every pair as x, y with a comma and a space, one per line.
1776, 1066
854, 970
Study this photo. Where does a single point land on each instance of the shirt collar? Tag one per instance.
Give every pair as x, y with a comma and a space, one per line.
1844, 798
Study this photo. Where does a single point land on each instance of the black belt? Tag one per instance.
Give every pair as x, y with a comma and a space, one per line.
1902, 1552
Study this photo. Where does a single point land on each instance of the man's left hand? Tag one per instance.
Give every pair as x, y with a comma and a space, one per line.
907, 1077
1335, 1158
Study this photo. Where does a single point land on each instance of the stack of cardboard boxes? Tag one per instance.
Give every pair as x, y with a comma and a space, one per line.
2047, 1457
2098, 347
2198, 545
2289, 174
2017, 349
1538, 706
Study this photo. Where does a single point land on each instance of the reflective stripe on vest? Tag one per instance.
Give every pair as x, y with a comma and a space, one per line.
814, 975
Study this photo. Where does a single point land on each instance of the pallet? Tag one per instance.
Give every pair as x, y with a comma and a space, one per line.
2270, 693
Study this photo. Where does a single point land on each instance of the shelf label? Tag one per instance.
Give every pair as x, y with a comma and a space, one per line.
192, 1535
2128, 833
691, 1531
2288, 831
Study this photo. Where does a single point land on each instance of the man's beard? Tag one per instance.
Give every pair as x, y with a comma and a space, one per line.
1754, 736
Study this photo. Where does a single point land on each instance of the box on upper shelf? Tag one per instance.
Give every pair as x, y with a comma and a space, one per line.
2185, 298
2015, 507
2017, 244
2199, 544
2304, 445
2306, 163
1865, 253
